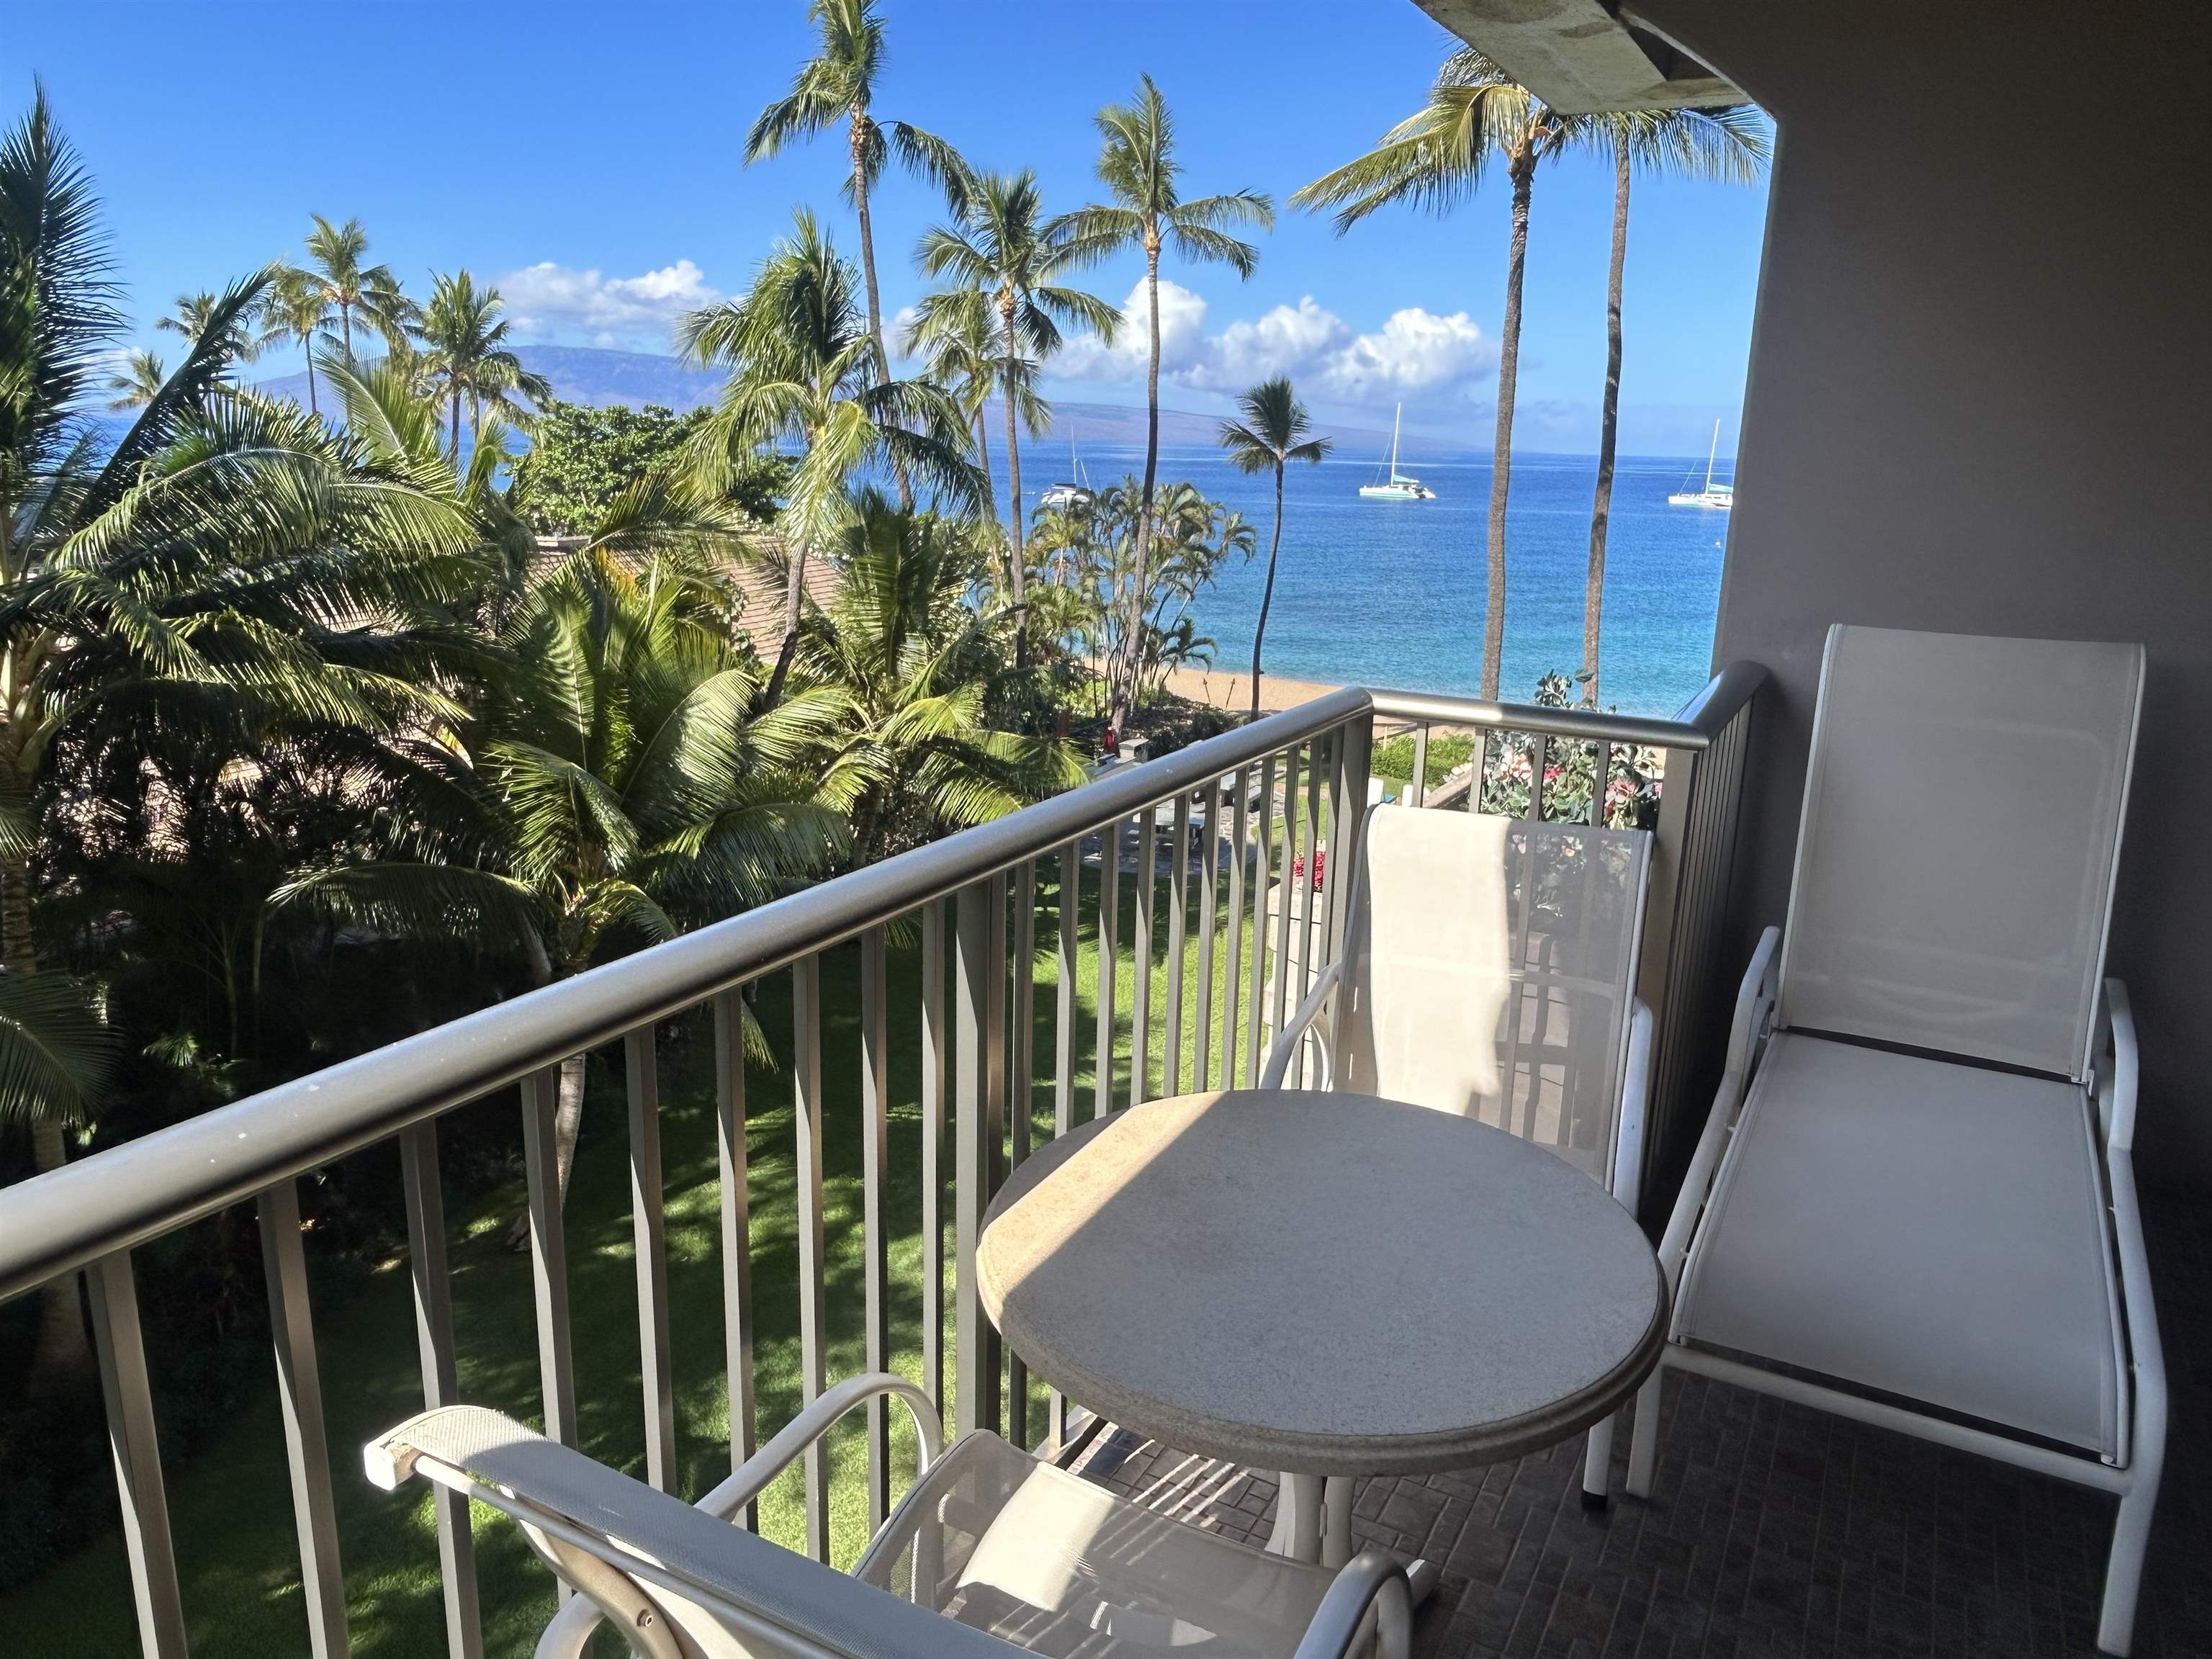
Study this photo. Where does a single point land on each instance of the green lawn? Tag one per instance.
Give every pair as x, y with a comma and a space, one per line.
230, 1505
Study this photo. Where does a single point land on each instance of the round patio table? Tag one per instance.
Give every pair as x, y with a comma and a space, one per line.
1328, 1285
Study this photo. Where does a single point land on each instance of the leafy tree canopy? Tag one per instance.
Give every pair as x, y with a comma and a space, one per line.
584, 458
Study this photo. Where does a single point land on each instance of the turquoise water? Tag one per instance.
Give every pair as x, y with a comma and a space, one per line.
1392, 592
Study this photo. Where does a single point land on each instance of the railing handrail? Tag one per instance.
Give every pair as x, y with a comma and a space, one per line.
1692, 728
61, 1220
126, 1195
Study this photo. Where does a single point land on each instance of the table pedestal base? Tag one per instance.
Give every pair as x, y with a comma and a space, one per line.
1313, 1524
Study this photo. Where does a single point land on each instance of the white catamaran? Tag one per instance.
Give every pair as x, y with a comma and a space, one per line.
1397, 487
1076, 494
1720, 495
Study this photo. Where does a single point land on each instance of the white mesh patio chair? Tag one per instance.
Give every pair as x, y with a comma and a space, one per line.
1913, 1203
1489, 970
992, 1551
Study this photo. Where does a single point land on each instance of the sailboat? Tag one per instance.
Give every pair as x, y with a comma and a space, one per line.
1720, 495
1064, 497
1397, 487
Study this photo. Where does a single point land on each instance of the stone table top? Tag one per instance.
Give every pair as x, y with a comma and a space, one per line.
1326, 1284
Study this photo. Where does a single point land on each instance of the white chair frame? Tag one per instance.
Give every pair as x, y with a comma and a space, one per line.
1625, 1185
2132, 1475
1367, 1607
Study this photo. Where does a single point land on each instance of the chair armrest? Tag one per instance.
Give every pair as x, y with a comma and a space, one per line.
1373, 1579
1754, 1004
785, 1447
1635, 1098
1278, 1056
566, 1637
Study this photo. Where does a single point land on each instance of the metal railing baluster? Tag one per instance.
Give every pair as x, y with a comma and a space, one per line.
1309, 888
978, 984
1063, 1074
648, 1228
135, 1450
731, 1154
806, 1112
299, 1397
1208, 880
1068, 918
1540, 760
1232, 963
1020, 1099
1418, 789
432, 1286
1110, 950
875, 1130
1140, 1012
1178, 925
1262, 864
1281, 896
933, 1151
549, 1257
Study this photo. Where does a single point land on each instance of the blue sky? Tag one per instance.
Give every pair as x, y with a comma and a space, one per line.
589, 158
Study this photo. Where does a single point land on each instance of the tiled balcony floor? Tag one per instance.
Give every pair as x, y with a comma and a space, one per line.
1774, 1530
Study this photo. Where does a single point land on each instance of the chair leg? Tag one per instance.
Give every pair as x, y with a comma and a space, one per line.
2123, 1572
1336, 1520
1597, 1463
1643, 1447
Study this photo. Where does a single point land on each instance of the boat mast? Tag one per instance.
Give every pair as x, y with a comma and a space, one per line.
1401, 415
1709, 455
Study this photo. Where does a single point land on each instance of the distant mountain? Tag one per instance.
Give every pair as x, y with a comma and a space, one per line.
586, 375
1117, 425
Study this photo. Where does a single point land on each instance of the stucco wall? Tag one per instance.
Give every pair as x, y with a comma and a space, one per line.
1977, 403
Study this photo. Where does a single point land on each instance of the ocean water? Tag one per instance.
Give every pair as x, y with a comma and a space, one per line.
1392, 592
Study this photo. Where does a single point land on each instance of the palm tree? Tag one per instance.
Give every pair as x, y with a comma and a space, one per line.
1270, 436
292, 309
804, 371
1435, 158
961, 349
137, 382
1138, 166
192, 313
629, 786
169, 595
916, 664
336, 276
1002, 252
838, 83
464, 345
1733, 143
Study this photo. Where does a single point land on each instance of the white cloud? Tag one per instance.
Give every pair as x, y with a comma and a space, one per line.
553, 301
1417, 355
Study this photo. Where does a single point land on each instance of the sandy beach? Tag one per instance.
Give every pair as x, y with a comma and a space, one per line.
1233, 691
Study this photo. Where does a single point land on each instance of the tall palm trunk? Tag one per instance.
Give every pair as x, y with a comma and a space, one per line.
983, 452
567, 1119
1018, 556
1133, 645
345, 327
1267, 594
457, 426
1607, 425
1522, 170
861, 127
794, 588
61, 1355
307, 344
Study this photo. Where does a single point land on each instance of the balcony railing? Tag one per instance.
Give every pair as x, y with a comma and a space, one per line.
1237, 814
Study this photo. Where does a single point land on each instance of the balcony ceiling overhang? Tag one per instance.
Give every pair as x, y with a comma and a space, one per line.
1582, 55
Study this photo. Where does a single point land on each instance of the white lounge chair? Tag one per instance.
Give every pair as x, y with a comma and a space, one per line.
1489, 971
992, 1551
1913, 1203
